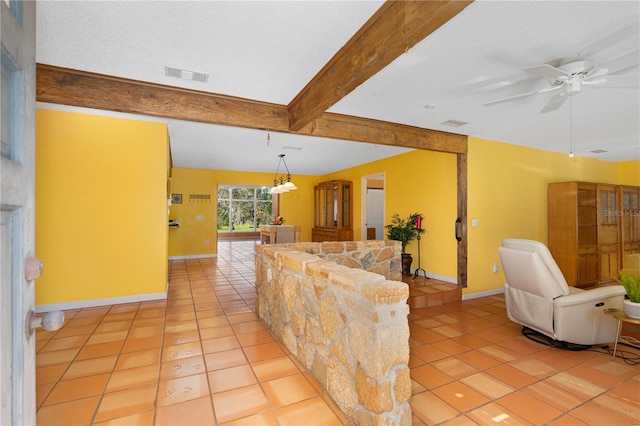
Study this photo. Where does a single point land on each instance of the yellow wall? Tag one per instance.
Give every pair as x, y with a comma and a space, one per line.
198, 237
418, 181
101, 207
101, 204
507, 193
629, 173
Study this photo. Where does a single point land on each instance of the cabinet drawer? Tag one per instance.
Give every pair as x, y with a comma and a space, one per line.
587, 249
609, 248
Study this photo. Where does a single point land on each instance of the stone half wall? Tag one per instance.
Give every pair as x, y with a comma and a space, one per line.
348, 326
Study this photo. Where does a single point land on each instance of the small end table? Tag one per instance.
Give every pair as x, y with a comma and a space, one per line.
619, 315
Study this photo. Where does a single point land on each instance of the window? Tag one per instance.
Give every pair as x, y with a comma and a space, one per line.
11, 103
243, 208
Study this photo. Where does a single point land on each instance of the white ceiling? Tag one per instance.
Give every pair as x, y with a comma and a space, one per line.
269, 50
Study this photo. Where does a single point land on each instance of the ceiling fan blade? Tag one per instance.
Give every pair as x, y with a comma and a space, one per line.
524, 95
594, 82
622, 63
554, 103
547, 71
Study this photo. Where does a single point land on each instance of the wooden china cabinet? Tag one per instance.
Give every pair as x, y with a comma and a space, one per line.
629, 217
333, 211
592, 226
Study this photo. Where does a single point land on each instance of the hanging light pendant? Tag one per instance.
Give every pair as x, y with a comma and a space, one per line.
283, 183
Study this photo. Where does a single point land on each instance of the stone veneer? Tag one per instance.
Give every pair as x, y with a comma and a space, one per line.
335, 307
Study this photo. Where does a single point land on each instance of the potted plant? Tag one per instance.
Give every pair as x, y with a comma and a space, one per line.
405, 230
630, 279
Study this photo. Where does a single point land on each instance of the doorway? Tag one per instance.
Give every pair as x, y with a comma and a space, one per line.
373, 207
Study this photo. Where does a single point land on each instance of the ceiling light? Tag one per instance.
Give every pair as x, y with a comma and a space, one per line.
283, 183
454, 123
598, 151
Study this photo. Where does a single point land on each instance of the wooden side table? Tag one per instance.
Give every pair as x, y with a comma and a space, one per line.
619, 315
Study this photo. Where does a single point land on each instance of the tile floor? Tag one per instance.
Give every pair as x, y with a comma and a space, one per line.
203, 358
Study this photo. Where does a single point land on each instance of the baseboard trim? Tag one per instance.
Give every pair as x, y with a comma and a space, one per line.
437, 277
479, 294
100, 302
193, 256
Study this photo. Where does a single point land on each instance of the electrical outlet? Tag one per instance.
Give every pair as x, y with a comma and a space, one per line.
496, 267
474, 222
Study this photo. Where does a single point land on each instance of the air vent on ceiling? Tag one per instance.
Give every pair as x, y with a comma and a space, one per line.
454, 123
186, 75
598, 151
293, 148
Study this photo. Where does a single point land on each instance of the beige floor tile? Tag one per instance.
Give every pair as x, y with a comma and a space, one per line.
529, 407
495, 414
224, 359
512, 376
263, 352
430, 409
220, 344
454, 367
125, 403
487, 385
69, 390
182, 389
182, 367
430, 377
238, 403
138, 359
231, 378
251, 379
77, 412
133, 378
309, 412
288, 390
594, 414
194, 412
460, 396
51, 373
57, 344
260, 419
274, 368
90, 367
100, 350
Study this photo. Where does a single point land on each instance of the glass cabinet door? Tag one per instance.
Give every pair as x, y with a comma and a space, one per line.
346, 206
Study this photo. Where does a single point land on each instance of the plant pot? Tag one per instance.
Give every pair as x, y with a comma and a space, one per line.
632, 309
407, 260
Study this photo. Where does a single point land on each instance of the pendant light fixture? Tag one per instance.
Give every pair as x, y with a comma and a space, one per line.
283, 183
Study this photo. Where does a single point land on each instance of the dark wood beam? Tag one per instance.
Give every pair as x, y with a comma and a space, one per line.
395, 28
360, 129
82, 89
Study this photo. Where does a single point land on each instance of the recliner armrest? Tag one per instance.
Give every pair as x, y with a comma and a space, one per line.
587, 296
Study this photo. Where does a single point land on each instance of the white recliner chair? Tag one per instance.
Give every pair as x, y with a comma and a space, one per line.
538, 297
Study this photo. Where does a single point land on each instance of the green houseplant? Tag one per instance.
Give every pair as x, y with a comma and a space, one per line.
630, 280
405, 230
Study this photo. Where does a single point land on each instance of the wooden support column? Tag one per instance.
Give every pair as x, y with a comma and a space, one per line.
462, 214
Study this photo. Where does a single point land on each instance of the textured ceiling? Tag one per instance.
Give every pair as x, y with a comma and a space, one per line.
269, 50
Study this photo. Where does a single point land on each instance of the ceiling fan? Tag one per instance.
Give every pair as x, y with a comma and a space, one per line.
569, 78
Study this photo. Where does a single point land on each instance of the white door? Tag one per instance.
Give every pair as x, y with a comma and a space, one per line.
375, 211
17, 171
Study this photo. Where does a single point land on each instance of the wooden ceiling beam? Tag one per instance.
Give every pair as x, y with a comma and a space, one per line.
395, 28
82, 89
